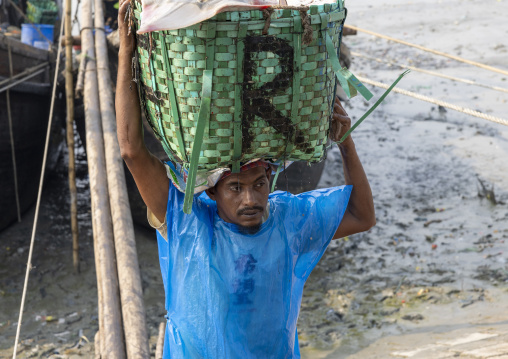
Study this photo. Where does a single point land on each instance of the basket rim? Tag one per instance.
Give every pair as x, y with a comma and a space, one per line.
278, 16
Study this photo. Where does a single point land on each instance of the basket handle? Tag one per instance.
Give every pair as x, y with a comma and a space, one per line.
203, 118
378, 102
349, 83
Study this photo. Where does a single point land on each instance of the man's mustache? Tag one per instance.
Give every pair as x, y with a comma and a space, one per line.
249, 209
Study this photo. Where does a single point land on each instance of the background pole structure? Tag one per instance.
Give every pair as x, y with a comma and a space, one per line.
131, 292
112, 337
69, 94
11, 133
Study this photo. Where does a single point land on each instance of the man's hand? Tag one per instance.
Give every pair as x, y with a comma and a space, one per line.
341, 123
126, 34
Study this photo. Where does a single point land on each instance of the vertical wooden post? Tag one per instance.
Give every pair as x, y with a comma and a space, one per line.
100, 336
11, 132
113, 343
69, 92
97, 343
131, 292
160, 341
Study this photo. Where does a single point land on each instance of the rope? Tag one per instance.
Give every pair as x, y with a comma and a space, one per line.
433, 73
92, 28
437, 102
11, 134
45, 156
460, 59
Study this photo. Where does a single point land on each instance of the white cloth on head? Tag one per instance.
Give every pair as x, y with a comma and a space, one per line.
177, 14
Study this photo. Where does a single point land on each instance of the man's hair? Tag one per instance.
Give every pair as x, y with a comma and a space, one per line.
246, 167
250, 230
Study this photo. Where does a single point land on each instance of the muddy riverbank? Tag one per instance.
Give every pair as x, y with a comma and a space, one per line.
437, 259
435, 262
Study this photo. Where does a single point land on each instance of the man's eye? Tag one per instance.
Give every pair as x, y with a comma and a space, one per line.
260, 184
234, 188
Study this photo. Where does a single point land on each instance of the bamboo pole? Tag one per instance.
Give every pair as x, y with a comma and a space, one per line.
160, 341
76, 40
113, 333
97, 344
69, 94
131, 292
99, 349
11, 133
80, 82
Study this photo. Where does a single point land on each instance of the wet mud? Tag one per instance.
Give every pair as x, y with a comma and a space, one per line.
436, 262
60, 318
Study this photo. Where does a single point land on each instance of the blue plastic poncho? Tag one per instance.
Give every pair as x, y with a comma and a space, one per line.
234, 295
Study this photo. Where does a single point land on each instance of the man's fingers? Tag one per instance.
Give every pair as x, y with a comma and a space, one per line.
337, 108
122, 10
343, 120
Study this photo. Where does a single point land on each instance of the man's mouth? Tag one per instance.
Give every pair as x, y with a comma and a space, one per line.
250, 211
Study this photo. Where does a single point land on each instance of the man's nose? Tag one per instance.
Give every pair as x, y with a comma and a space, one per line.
249, 198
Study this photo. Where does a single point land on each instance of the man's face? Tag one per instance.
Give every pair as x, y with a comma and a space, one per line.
242, 197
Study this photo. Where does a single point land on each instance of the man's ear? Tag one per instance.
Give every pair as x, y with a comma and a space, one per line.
211, 193
269, 174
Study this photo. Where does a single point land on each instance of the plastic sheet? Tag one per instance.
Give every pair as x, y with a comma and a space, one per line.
234, 295
177, 14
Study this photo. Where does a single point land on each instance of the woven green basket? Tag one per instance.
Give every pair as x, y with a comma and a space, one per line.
42, 12
244, 85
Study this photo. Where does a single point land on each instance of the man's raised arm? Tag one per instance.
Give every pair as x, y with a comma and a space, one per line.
148, 172
359, 215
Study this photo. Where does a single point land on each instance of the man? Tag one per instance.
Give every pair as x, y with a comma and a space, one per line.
234, 268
